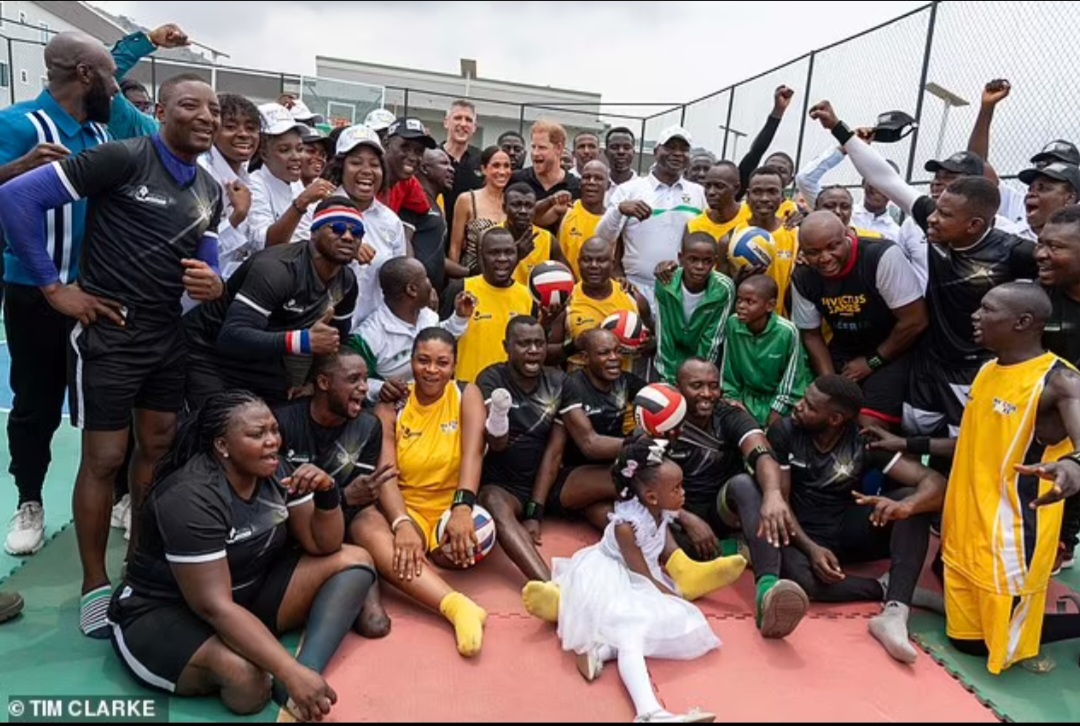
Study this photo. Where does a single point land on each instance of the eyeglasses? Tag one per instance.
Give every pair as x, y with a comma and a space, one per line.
339, 228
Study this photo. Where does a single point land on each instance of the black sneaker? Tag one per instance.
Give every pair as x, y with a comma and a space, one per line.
11, 604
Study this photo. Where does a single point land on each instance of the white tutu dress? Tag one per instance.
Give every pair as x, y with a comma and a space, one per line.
602, 602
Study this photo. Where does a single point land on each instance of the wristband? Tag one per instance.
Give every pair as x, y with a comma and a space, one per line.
1074, 457
299, 210
328, 499
759, 451
464, 497
298, 342
534, 510
403, 518
918, 445
876, 362
842, 133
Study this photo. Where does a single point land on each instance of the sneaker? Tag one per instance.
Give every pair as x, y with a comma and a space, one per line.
695, 715
782, 609
27, 532
11, 604
1064, 560
121, 513
589, 665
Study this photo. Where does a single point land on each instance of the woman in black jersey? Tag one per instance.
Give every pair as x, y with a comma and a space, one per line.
230, 555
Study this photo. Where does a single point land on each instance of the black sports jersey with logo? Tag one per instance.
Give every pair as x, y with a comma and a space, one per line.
344, 452
531, 417
1062, 333
710, 457
194, 516
611, 413
141, 223
958, 281
822, 483
280, 284
858, 316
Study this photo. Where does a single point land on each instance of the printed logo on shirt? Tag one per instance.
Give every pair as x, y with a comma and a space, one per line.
407, 433
144, 195
478, 316
294, 458
1004, 407
239, 535
686, 199
293, 307
449, 428
844, 304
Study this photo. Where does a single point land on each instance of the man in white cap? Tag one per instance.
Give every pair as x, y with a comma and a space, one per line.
379, 121
303, 114
651, 212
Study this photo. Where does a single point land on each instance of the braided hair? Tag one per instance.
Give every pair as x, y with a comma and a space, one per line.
637, 465
197, 434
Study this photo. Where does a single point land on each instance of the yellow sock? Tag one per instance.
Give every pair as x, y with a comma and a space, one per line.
468, 619
697, 579
542, 600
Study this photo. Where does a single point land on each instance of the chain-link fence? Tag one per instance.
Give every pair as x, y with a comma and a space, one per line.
931, 63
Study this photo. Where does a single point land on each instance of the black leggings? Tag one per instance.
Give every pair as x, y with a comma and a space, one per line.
1056, 628
1070, 523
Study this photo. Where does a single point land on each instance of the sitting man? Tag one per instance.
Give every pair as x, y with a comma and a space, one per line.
332, 431
386, 337
525, 444
277, 305
831, 522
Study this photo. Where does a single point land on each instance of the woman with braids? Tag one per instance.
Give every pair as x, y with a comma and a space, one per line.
615, 602
434, 441
228, 556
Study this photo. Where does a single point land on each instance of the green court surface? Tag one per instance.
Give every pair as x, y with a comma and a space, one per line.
1017, 694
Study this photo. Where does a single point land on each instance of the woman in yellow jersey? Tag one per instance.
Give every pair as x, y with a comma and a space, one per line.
435, 443
581, 220
535, 244
1015, 461
480, 209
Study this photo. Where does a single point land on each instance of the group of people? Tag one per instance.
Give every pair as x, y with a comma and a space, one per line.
311, 360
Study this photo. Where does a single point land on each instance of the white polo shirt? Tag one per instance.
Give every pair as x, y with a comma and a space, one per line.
270, 199
233, 243
882, 223
384, 231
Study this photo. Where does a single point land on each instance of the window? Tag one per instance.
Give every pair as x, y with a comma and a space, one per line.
24, 78
44, 31
4, 81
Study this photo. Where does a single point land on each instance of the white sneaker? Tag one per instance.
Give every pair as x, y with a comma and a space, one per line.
695, 715
121, 513
27, 532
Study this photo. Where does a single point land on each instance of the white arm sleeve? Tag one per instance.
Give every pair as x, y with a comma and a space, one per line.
261, 215
611, 225
875, 170
803, 313
809, 179
896, 279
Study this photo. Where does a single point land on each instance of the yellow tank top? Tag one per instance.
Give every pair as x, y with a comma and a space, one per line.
541, 253
585, 313
719, 231
989, 533
429, 450
787, 252
578, 227
482, 343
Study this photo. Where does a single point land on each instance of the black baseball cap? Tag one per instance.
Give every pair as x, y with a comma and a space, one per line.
893, 126
411, 128
1057, 171
1059, 150
963, 162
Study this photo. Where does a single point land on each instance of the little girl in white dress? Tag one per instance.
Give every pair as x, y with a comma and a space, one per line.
613, 599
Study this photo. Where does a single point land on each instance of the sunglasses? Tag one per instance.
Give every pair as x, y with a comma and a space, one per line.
339, 228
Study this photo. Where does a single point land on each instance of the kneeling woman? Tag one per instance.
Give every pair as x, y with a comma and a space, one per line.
228, 556
436, 444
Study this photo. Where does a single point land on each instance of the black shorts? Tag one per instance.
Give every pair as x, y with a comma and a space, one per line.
522, 491
156, 639
202, 381
884, 390
936, 397
112, 370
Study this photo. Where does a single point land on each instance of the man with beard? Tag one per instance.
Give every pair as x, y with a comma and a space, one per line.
513, 144
152, 235
650, 214
67, 118
619, 150
581, 220
406, 141
332, 431
555, 188
276, 306
429, 242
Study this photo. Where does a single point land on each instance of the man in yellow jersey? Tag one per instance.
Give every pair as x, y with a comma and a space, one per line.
764, 197
581, 220
597, 297
724, 214
1015, 460
534, 244
498, 300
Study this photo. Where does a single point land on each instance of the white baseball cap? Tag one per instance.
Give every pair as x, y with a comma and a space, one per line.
276, 119
301, 112
355, 136
379, 119
674, 132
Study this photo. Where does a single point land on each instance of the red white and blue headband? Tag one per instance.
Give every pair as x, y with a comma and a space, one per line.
330, 215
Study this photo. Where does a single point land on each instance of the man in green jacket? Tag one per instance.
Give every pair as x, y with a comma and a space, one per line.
693, 306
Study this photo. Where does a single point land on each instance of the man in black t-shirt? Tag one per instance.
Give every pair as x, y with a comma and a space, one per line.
332, 431
276, 305
871, 298
717, 442
824, 459
151, 235
525, 443
598, 413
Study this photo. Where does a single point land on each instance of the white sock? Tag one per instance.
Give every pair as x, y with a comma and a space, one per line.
635, 676
498, 420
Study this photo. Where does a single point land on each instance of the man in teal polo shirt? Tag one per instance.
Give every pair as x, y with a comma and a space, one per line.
68, 117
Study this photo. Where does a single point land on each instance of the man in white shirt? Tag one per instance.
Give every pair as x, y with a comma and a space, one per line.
872, 215
619, 150
650, 213
385, 339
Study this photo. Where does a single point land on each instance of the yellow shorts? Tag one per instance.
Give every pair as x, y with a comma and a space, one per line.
1010, 626
428, 522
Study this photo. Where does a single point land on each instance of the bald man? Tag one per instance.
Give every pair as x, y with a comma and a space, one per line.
1015, 461
436, 178
67, 118
871, 297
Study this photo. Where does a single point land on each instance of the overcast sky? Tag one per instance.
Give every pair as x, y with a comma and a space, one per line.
672, 51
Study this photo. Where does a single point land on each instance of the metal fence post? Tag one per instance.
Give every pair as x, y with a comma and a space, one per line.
727, 121
153, 78
922, 88
682, 116
805, 111
406, 101
281, 85
11, 71
641, 146
521, 121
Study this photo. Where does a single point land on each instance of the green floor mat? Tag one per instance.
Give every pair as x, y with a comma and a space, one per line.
1016, 695
57, 493
45, 655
